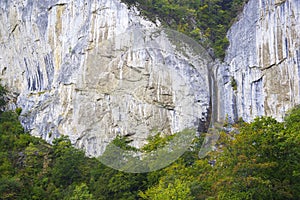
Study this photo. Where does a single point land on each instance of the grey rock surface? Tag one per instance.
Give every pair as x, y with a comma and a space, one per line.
93, 70
262, 61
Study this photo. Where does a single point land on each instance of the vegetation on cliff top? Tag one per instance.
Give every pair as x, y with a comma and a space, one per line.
207, 21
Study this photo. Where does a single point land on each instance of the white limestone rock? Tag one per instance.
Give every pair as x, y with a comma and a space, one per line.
96, 69
264, 60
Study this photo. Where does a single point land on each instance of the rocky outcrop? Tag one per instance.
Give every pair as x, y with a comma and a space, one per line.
261, 72
96, 69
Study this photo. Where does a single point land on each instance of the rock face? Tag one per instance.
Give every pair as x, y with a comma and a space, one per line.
261, 72
96, 69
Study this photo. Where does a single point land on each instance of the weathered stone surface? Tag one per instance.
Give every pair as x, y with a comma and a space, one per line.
95, 69
263, 59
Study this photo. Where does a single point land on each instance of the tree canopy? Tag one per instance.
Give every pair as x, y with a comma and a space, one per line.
207, 21
258, 160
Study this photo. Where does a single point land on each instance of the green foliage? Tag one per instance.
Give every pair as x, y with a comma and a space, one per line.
261, 162
233, 83
177, 190
61, 145
3, 92
158, 153
68, 167
18, 111
155, 142
123, 143
207, 21
81, 192
292, 120
9, 188
254, 164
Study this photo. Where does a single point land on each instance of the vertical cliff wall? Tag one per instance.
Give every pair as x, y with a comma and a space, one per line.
95, 69
261, 72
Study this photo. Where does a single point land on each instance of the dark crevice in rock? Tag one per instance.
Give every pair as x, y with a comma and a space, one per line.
13, 29
98, 11
280, 3
4, 70
268, 67
56, 5
281, 61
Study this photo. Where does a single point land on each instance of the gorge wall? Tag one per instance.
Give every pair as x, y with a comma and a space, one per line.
96, 69
261, 72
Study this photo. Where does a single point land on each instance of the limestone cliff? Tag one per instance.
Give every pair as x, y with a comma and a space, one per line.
95, 69
261, 72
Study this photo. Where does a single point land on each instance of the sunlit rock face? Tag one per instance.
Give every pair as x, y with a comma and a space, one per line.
96, 69
263, 61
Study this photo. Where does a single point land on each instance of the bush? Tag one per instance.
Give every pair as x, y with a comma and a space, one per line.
212, 18
18, 111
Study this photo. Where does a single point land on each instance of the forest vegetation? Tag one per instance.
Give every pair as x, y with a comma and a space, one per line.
207, 21
258, 160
